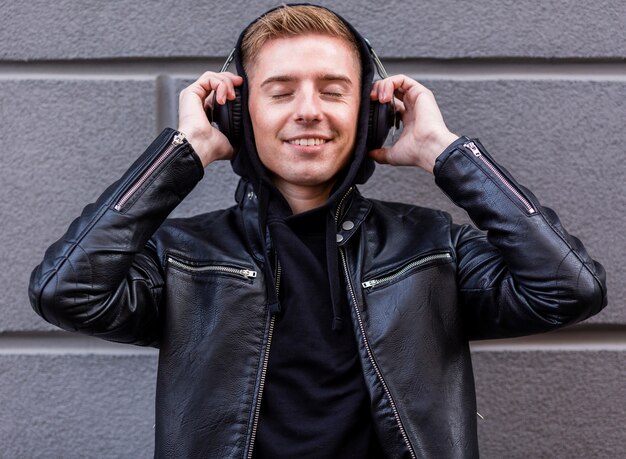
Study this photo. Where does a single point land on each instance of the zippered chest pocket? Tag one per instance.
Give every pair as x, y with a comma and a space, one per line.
405, 270
204, 268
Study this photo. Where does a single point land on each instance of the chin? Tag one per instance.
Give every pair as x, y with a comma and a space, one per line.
311, 181
306, 179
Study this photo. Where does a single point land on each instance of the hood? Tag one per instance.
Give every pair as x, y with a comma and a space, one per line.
246, 162
275, 218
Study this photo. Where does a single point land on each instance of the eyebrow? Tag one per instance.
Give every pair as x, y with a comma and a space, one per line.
323, 77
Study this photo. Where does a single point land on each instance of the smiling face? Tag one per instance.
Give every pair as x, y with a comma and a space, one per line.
304, 104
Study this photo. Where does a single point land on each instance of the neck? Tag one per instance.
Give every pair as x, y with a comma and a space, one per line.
303, 198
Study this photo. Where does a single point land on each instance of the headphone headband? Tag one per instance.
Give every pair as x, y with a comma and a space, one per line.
380, 68
229, 59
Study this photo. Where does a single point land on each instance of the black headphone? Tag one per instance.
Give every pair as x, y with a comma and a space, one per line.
382, 117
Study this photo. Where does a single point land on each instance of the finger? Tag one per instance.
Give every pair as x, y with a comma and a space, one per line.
221, 83
219, 76
236, 79
215, 86
382, 90
231, 80
221, 92
199, 89
398, 86
398, 105
403, 83
389, 89
375, 89
379, 155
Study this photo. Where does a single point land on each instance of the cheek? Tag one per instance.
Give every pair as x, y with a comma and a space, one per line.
351, 117
264, 135
265, 121
349, 123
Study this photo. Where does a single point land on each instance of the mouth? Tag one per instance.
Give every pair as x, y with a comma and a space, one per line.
308, 142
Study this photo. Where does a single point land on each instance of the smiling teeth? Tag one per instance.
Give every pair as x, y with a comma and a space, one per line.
307, 142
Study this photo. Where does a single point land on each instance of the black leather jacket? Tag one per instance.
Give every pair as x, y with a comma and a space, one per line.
419, 287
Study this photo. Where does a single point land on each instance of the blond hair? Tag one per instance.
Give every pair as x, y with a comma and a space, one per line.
289, 21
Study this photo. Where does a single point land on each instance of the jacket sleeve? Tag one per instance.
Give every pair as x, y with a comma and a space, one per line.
103, 277
527, 274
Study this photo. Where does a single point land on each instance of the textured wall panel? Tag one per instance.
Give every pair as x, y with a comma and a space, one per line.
91, 406
66, 140
558, 405
535, 404
70, 29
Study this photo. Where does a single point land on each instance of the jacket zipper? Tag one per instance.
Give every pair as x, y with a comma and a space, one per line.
474, 149
371, 357
266, 357
341, 203
414, 264
242, 272
178, 139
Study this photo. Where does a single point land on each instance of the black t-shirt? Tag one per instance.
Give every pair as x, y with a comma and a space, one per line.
315, 403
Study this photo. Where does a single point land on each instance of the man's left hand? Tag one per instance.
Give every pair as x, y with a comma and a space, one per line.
425, 135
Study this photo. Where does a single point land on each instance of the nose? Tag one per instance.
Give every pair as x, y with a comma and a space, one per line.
308, 107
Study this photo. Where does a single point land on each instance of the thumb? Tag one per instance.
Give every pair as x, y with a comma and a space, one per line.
379, 155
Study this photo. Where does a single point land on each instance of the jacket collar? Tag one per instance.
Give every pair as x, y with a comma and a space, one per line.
350, 212
248, 204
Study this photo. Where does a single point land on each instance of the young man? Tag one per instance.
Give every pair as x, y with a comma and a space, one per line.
309, 321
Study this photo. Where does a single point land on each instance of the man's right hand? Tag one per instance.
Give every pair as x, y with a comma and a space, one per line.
207, 141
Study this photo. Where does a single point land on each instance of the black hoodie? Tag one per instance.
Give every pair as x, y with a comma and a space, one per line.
315, 403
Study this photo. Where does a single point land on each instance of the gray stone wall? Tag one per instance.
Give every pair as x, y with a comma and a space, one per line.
86, 85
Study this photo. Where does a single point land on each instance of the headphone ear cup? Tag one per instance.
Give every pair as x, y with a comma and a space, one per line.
381, 119
227, 117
